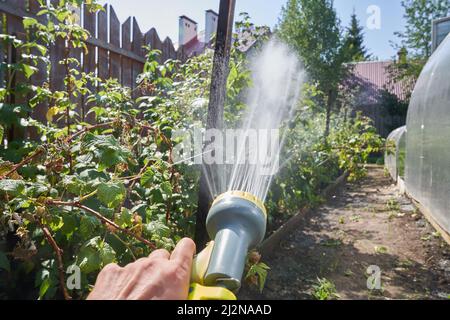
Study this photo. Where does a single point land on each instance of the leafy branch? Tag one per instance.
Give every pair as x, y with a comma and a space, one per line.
102, 218
58, 251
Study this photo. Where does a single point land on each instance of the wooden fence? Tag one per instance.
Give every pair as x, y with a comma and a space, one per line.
114, 49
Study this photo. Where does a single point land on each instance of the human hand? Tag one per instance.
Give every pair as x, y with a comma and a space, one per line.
162, 276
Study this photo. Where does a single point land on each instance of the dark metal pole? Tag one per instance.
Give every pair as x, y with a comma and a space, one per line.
215, 109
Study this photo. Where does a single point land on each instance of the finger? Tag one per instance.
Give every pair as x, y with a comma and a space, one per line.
184, 252
160, 254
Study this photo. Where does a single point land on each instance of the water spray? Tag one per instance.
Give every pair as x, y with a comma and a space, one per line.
236, 220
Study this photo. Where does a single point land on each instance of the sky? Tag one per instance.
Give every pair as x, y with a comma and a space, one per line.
381, 18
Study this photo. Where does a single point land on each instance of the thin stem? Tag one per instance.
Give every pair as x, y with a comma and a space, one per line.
102, 218
58, 251
22, 163
90, 128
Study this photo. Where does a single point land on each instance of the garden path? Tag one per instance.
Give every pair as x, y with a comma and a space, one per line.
367, 223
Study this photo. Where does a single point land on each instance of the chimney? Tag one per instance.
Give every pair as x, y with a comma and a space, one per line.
211, 21
188, 30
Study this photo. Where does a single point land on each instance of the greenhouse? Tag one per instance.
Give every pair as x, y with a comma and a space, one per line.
394, 158
427, 171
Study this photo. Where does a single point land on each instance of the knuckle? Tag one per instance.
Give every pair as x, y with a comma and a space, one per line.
179, 269
112, 267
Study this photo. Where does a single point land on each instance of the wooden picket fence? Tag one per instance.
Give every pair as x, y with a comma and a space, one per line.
115, 50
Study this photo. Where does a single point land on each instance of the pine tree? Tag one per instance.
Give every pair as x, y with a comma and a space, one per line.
313, 29
354, 49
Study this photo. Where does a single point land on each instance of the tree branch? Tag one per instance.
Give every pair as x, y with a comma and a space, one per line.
90, 128
102, 218
22, 163
58, 251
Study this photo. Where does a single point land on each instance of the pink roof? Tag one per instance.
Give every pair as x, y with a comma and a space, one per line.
194, 47
376, 78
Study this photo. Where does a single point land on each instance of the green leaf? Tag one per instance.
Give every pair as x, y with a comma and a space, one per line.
147, 177
56, 223
12, 187
260, 269
95, 254
111, 194
53, 111
29, 22
37, 189
87, 226
28, 70
166, 187
69, 224
45, 285
2, 131
107, 149
89, 259
107, 253
4, 262
125, 218
157, 228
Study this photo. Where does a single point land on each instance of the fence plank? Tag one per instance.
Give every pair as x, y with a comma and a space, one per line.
39, 112
137, 44
168, 50
2, 53
105, 57
15, 27
114, 35
89, 65
151, 39
102, 29
126, 45
2, 61
58, 72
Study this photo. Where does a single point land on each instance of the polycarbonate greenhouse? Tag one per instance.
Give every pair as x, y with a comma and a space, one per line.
395, 156
427, 172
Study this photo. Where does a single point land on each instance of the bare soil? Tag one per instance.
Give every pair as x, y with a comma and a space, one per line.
367, 223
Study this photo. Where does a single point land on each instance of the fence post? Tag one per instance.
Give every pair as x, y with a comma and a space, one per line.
215, 112
126, 45
114, 39
102, 29
136, 66
89, 65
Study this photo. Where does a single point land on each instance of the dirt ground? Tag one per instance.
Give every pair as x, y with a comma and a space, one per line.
365, 224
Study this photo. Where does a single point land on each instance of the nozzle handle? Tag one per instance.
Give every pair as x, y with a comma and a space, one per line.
228, 257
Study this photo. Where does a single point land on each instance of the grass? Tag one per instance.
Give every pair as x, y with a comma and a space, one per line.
381, 249
332, 243
348, 273
405, 263
392, 205
324, 290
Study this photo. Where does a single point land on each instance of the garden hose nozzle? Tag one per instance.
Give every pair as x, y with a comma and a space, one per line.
237, 223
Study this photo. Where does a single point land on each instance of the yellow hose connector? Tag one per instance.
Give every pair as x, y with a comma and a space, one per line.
243, 195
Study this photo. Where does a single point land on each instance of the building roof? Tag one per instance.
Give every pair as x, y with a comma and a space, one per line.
375, 78
187, 18
212, 11
194, 47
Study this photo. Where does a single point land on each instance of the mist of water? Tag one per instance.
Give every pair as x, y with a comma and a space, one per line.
277, 77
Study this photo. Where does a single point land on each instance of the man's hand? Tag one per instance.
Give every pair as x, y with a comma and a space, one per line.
160, 276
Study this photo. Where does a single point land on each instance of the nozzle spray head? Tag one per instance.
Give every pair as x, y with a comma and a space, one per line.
237, 223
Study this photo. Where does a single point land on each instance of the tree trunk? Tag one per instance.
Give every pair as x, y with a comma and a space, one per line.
330, 103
